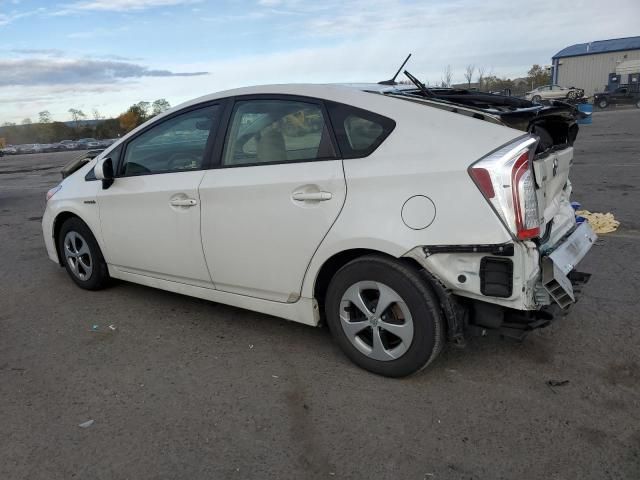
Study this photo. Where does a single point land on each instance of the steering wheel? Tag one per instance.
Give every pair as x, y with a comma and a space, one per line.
183, 161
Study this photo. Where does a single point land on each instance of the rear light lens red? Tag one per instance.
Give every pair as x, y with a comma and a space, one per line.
524, 198
505, 178
482, 177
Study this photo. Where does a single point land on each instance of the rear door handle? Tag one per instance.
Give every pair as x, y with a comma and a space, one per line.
314, 196
183, 202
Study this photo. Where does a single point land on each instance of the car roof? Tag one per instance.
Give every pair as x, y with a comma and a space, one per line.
330, 91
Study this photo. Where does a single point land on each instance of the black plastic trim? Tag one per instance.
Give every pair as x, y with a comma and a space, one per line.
496, 277
503, 249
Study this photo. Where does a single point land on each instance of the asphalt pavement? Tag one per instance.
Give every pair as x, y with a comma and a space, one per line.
179, 388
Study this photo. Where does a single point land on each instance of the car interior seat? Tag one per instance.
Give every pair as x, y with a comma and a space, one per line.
271, 146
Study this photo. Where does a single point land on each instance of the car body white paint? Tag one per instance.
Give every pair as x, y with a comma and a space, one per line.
257, 248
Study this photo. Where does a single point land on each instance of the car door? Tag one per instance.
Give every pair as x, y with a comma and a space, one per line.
544, 92
620, 95
557, 92
150, 215
278, 188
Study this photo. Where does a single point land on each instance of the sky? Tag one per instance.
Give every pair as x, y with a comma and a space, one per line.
109, 54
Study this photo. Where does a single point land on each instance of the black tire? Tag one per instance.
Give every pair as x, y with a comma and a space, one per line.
603, 103
536, 99
572, 95
638, 103
76, 232
417, 297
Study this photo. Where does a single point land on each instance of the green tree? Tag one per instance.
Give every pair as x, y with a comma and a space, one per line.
538, 76
143, 109
160, 106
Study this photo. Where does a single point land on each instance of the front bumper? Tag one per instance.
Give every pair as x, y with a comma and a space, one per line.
47, 232
558, 264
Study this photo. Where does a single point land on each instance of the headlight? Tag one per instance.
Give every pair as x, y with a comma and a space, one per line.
53, 191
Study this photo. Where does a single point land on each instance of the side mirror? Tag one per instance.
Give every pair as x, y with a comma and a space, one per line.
104, 171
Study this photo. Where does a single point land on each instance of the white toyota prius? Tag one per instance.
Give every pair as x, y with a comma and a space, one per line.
403, 217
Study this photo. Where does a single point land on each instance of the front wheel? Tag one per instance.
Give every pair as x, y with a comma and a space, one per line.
638, 103
384, 316
536, 99
603, 103
81, 254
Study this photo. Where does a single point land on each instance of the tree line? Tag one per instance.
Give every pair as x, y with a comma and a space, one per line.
483, 79
47, 130
486, 81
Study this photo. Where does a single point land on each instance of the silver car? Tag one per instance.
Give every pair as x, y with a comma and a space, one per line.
553, 92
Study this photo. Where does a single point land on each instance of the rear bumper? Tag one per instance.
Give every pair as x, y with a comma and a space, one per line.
558, 265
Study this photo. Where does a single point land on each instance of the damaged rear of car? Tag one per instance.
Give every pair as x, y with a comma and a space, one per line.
522, 283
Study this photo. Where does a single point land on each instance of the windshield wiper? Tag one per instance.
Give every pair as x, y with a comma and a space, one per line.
421, 86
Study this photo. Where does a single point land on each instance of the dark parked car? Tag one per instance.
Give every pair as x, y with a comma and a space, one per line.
620, 96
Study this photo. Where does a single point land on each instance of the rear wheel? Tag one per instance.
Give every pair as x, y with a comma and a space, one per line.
536, 99
81, 254
638, 103
384, 316
603, 103
572, 95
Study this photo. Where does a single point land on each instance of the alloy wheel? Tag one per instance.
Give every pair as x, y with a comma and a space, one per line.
376, 320
78, 255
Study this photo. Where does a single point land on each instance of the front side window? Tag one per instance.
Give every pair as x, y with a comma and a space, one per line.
175, 145
276, 131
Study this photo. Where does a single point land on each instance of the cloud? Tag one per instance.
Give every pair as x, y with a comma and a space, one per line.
7, 18
46, 71
38, 51
121, 5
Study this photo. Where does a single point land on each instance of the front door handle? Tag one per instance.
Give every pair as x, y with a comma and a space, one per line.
313, 196
183, 202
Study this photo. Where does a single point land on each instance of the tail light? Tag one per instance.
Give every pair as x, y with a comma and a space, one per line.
505, 178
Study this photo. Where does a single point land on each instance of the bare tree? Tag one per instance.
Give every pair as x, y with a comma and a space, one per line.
44, 116
480, 77
77, 116
446, 76
96, 114
26, 121
468, 73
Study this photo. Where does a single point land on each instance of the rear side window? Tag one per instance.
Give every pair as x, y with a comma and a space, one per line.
277, 131
359, 132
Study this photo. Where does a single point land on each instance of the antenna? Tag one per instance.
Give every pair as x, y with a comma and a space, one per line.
392, 81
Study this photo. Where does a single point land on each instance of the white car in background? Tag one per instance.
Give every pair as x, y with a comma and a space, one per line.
9, 150
553, 92
68, 144
364, 206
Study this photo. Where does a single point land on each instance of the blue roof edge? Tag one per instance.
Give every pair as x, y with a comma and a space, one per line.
599, 46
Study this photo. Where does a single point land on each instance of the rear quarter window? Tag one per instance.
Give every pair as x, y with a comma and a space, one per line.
359, 132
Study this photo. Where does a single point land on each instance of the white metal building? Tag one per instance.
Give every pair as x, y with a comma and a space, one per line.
588, 65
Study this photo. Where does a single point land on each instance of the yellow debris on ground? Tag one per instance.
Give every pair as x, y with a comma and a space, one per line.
600, 222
